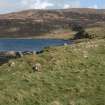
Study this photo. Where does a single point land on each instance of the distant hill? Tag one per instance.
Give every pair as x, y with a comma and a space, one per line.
47, 14
36, 22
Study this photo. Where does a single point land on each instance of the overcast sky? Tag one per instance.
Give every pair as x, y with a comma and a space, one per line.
17, 5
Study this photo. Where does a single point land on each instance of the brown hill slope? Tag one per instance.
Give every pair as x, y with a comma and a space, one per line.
35, 22
38, 14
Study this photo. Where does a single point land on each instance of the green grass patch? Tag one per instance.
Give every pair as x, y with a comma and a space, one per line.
70, 75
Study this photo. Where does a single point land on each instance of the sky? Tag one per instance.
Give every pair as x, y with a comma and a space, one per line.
7, 6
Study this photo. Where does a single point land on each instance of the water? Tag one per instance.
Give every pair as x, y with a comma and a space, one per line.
29, 44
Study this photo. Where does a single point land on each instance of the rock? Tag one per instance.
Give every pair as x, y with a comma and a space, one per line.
39, 52
9, 54
19, 54
27, 53
85, 56
34, 52
11, 64
65, 44
55, 103
36, 67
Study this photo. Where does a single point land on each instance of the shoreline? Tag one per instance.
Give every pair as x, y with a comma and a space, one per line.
36, 38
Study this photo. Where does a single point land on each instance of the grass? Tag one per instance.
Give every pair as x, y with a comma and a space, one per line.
97, 32
58, 34
70, 75
54, 34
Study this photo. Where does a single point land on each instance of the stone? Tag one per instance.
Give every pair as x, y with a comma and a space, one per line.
11, 64
65, 44
34, 52
36, 67
19, 54
10, 54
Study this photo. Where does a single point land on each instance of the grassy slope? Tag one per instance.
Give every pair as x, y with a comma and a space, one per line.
98, 32
58, 34
71, 75
54, 34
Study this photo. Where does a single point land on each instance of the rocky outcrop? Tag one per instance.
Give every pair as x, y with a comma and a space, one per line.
14, 54
10, 54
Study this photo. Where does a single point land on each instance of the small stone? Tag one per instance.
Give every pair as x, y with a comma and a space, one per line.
85, 56
56, 103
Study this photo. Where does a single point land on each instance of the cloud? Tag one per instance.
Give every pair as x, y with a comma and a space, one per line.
66, 6
6, 4
36, 4
94, 6
17, 5
73, 4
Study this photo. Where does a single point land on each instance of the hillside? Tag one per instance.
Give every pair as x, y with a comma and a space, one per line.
36, 14
31, 23
74, 75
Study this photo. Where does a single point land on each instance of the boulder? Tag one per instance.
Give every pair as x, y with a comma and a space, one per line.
8, 54
11, 64
36, 67
19, 54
